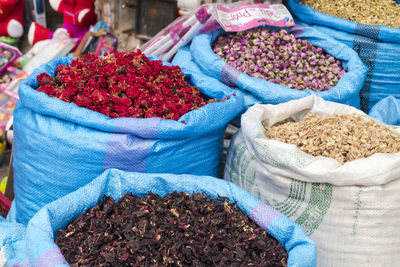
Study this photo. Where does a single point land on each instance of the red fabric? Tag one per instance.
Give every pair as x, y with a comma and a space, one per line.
71, 9
6, 6
5, 205
41, 33
10, 9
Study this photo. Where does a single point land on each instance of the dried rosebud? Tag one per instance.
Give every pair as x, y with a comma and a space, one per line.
272, 58
123, 85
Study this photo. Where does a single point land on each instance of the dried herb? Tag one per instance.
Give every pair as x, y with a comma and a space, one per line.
177, 230
344, 137
124, 85
279, 57
374, 12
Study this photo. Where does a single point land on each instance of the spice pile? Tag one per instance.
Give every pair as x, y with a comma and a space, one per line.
176, 230
124, 85
279, 57
373, 12
341, 137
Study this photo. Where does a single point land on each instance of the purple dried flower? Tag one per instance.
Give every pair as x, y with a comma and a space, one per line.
279, 57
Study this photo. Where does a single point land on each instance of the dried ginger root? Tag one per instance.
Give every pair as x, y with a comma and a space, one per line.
341, 137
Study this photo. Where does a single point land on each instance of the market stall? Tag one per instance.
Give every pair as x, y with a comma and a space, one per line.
199, 133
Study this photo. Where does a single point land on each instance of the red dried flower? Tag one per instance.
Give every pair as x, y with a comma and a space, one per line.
124, 85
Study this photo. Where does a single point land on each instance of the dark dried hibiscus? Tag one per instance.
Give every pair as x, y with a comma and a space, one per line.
124, 85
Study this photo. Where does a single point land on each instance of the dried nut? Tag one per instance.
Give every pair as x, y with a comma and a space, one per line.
373, 12
341, 137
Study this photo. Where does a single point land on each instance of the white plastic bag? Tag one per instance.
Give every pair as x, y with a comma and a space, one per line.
210, 17
351, 211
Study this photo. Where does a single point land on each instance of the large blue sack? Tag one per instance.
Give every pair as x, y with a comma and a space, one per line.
387, 110
41, 229
59, 147
345, 92
377, 45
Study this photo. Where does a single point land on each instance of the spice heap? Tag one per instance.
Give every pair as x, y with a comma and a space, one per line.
341, 137
124, 85
176, 230
279, 57
373, 12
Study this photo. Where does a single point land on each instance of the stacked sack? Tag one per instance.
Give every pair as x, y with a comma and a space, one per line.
343, 194
59, 146
262, 90
377, 45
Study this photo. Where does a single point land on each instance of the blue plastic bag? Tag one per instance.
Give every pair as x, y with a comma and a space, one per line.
377, 45
59, 147
115, 183
345, 92
387, 110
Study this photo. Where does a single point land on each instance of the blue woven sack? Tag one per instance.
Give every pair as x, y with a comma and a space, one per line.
12, 244
345, 92
59, 147
41, 230
184, 59
387, 110
377, 45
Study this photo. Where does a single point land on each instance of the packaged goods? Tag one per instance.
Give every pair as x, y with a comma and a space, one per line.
343, 197
8, 54
236, 16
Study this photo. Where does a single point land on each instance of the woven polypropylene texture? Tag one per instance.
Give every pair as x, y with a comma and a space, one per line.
345, 92
377, 45
311, 16
59, 147
115, 183
184, 59
12, 245
387, 110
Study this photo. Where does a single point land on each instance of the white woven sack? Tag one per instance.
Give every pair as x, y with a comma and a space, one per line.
351, 211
